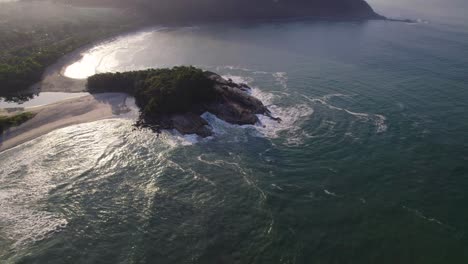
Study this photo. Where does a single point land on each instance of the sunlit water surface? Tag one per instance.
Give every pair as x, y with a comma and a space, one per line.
368, 166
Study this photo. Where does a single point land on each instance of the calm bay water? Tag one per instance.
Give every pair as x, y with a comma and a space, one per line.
370, 163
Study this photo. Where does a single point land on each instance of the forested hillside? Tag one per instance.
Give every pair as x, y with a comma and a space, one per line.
195, 10
35, 35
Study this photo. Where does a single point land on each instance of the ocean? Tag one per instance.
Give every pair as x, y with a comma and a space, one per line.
369, 165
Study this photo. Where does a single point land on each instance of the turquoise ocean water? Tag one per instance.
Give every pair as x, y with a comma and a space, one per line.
370, 163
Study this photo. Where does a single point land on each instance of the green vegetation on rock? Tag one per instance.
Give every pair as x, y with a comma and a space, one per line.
176, 98
7, 122
159, 91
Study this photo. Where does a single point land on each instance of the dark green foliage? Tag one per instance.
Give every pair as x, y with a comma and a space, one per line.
158, 91
7, 122
19, 72
35, 35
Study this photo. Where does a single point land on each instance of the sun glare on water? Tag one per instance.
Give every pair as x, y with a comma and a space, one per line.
82, 68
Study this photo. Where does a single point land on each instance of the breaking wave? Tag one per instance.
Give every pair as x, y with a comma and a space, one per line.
292, 117
378, 120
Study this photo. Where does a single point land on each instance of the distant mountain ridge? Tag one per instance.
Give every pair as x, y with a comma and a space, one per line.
225, 10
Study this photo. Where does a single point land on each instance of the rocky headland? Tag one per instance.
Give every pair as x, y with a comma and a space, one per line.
176, 98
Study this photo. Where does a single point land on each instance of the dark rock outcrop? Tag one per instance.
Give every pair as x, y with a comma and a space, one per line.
190, 123
233, 104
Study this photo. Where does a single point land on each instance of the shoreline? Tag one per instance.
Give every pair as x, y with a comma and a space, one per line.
75, 110
66, 112
53, 79
63, 114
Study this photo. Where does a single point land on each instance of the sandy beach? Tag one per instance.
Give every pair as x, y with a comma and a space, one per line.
65, 113
53, 79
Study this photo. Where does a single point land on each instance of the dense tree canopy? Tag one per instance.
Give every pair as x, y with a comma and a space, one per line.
158, 91
35, 35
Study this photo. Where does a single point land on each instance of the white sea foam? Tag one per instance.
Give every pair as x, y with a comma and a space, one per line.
290, 126
422, 216
265, 97
174, 139
233, 68
378, 120
330, 193
24, 185
277, 187
291, 116
242, 171
238, 79
24, 225
260, 72
282, 78
218, 126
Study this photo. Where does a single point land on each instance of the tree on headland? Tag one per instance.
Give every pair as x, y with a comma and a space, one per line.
158, 91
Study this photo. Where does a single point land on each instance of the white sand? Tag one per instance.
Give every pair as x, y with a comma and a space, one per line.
53, 79
65, 113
